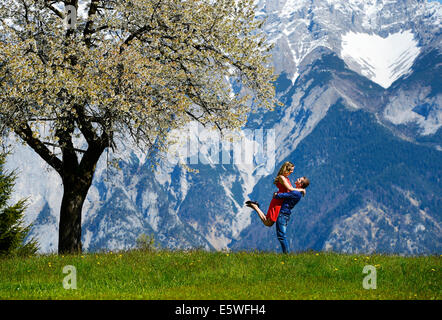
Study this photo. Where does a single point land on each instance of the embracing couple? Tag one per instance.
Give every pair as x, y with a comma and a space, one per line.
283, 201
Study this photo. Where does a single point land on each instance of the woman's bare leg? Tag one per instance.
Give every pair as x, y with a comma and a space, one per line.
262, 216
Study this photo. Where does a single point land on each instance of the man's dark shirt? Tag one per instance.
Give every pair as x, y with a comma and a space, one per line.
290, 200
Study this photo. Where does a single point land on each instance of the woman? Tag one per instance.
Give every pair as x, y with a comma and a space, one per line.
283, 183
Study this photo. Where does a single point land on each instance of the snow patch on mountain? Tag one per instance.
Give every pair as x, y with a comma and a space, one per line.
292, 6
382, 60
415, 106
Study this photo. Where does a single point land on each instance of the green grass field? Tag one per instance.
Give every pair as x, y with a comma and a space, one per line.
220, 275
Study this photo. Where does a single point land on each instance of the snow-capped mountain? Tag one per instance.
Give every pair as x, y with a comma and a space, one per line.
360, 80
379, 39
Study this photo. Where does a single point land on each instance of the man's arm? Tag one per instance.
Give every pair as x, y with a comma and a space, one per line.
295, 194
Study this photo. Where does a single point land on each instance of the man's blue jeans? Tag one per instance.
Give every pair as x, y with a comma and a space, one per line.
281, 228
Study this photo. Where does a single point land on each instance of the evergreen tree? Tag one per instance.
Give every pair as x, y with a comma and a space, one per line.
12, 231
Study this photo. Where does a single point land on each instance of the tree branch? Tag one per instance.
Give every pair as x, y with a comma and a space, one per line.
85, 126
54, 10
134, 35
141, 30
58, 146
64, 134
26, 11
88, 31
26, 134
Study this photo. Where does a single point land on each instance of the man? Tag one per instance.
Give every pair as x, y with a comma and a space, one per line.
290, 200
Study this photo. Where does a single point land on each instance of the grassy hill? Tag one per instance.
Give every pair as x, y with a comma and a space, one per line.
220, 275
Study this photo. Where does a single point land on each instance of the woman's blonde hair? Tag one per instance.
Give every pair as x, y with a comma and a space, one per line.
285, 166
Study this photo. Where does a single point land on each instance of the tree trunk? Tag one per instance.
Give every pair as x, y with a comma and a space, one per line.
74, 194
77, 180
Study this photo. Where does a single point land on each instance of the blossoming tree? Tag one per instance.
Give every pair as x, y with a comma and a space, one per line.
124, 69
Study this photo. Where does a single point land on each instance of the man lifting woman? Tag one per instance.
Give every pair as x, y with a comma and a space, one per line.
282, 202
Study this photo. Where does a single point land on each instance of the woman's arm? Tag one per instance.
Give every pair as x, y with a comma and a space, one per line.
285, 183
